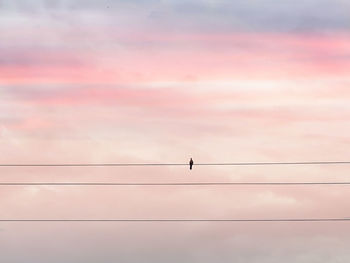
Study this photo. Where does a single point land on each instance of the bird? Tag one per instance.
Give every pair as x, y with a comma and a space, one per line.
191, 163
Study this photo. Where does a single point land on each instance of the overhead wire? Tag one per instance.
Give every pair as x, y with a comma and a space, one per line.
165, 184
184, 220
173, 164
179, 184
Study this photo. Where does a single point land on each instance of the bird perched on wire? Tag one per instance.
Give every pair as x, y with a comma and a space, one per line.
191, 163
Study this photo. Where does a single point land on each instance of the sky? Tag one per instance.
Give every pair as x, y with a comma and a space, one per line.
159, 81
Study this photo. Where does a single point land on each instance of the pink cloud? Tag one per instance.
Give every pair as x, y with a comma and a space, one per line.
218, 97
204, 56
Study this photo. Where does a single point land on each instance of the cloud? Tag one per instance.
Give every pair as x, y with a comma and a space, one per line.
88, 81
38, 58
205, 15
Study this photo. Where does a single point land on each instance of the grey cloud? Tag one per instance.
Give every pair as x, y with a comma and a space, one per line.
36, 58
206, 15
269, 15
169, 243
31, 5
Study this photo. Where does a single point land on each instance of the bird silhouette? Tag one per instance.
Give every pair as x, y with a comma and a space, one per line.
191, 163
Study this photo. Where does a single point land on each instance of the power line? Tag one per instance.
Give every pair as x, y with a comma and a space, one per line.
183, 220
170, 184
175, 164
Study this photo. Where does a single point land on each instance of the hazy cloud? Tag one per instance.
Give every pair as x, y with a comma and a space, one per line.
202, 15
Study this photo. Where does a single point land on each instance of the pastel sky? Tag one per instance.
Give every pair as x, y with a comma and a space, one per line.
162, 81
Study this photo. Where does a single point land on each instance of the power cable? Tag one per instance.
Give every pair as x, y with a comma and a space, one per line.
183, 220
169, 184
174, 164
